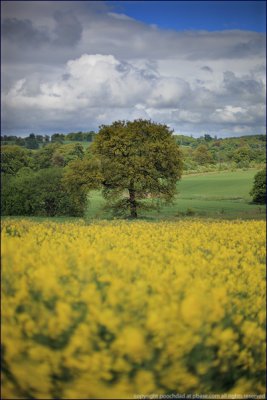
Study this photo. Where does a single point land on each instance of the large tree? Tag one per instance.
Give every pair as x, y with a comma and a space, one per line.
138, 160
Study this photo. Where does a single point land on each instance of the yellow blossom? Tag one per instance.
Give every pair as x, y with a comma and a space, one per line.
113, 308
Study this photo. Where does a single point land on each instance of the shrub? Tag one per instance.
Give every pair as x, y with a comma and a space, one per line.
37, 193
258, 191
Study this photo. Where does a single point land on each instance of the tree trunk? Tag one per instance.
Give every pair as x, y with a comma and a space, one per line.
132, 201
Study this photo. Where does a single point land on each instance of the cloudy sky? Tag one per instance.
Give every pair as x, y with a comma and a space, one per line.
199, 67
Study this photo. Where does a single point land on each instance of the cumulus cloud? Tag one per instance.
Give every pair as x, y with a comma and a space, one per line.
95, 87
93, 81
243, 88
76, 65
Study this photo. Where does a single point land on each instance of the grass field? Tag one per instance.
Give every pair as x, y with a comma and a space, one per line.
214, 195
217, 195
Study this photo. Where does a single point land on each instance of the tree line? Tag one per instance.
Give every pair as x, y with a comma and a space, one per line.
135, 164
199, 154
227, 153
34, 141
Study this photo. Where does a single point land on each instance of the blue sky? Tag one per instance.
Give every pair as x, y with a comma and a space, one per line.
197, 66
191, 15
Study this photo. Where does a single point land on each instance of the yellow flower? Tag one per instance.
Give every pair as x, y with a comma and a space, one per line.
131, 343
145, 382
111, 309
191, 309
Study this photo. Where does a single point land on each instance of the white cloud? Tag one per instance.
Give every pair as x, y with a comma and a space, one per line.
100, 88
168, 92
76, 65
99, 81
229, 114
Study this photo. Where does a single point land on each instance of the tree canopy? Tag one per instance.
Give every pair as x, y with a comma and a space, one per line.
138, 160
13, 158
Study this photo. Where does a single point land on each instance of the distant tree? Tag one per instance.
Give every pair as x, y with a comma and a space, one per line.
81, 136
184, 140
40, 138
138, 159
58, 137
207, 138
32, 142
202, 155
13, 158
58, 159
67, 153
75, 136
89, 136
258, 191
44, 156
242, 156
188, 162
20, 142
217, 143
7, 138
57, 155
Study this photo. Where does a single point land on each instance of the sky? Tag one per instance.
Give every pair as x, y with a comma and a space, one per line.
197, 66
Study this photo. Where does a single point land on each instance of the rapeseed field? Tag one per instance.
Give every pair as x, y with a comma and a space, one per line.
118, 309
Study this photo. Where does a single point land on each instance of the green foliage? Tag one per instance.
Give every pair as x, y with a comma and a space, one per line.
58, 137
13, 158
207, 138
202, 155
243, 152
57, 155
32, 142
184, 140
39, 193
258, 191
44, 156
242, 156
79, 177
81, 136
227, 153
139, 159
121, 161
67, 153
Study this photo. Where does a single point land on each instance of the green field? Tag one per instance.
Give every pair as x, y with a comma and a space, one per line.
85, 145
210, 195
219, 195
